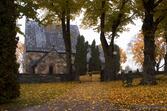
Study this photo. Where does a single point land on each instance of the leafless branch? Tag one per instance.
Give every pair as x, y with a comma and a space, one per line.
160, 18
157, 3
128, 18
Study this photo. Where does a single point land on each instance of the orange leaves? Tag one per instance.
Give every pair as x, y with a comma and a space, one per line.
92, 94
141, 95
123, 56
160, 48
138, 49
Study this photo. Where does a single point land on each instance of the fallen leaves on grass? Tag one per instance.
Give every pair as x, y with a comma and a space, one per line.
117, 94
36, 94
94, 93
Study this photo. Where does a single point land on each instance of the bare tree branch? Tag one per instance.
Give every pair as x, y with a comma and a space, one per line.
128, 18
157, 3
160, 18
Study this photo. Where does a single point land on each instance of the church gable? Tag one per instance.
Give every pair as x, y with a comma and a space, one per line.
39, 42
42, 39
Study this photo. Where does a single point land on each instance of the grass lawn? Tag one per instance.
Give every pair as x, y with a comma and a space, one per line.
114, 92
35, 94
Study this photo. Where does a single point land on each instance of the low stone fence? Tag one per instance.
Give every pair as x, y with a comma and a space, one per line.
42, 78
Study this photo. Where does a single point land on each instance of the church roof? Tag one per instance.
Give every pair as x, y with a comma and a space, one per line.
43, 38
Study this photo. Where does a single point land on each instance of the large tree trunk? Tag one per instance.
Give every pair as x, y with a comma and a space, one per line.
9, 86
108, 69
157, 67
149, 29
63, 23
68, 44
114, 28
65, 19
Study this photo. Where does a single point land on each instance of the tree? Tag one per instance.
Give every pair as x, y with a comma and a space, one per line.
165, 37
62, 11
27, 8
119, 19
114, 15
138, 47
81, 56
162, 30
11, 10
94, 61
159, 52
9, 86
116, 59
152, 12
123, 57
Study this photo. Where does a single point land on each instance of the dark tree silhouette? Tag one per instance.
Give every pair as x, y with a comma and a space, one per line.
149, 27
81, 56
109, 71
9, 86
94, 61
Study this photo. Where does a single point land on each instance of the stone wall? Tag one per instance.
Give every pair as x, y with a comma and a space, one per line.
57, 61
42, 78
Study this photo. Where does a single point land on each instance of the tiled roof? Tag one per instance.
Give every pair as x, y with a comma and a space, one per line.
42, 39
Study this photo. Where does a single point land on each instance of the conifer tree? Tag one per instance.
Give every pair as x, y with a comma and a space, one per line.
81, 56
10, 11
94, 61
9, 86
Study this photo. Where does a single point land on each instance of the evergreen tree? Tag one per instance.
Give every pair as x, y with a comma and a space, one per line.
9, 86
94, 61
81, 56
11, 10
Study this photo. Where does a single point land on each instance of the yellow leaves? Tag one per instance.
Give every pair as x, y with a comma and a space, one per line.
33, 94
123, 56
93, 94
139, 95
138, 48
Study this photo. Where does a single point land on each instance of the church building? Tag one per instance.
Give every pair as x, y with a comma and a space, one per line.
45, 49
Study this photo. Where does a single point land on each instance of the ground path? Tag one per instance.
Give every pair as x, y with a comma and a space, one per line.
87, 96
92, 95
84, 97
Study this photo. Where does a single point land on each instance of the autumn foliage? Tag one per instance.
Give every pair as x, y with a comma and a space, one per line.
91, 94
138, 48
123, 56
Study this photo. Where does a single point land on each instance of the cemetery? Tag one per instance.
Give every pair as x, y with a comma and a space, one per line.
83, 55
